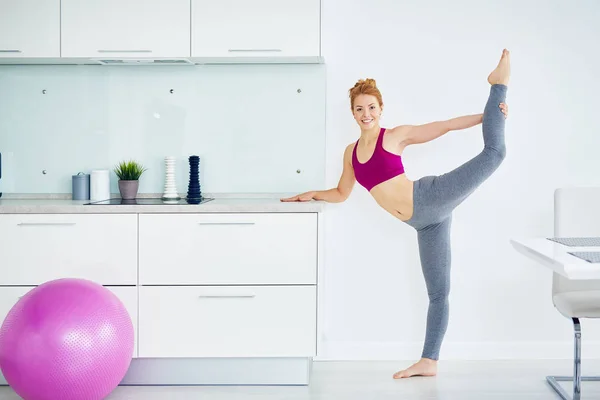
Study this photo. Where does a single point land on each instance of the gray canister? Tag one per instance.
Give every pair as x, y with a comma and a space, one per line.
81, 186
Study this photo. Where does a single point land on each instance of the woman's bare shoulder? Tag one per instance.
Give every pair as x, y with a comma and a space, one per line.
348, 151
399, 134
398, 130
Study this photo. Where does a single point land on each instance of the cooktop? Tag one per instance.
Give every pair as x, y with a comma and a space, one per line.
150, 201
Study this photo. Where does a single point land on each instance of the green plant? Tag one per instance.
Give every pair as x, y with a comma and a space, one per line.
129, 170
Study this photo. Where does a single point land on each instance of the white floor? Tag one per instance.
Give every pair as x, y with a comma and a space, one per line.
464, 380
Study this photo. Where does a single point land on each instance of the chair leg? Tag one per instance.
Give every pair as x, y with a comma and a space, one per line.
576, 378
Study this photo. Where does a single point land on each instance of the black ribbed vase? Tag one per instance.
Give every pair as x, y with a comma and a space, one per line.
194, 194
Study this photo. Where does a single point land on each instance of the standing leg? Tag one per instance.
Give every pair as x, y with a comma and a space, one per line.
450, 189
435, 254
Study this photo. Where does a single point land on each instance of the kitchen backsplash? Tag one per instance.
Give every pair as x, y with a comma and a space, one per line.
256, 128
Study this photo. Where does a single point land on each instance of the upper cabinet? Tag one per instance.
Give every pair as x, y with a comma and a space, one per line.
256, 28
125, 28
29, 28
160, 31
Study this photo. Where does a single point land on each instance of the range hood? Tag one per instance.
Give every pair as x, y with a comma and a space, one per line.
242, 59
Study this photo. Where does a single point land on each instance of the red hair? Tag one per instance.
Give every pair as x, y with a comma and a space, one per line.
365, 86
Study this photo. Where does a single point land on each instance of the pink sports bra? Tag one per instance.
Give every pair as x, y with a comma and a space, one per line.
381, 167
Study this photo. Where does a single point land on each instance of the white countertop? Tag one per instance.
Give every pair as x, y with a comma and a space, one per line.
220, 205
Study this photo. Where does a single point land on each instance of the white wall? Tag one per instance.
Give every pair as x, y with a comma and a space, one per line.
431, 60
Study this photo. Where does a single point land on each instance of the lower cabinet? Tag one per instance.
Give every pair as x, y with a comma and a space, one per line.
228, 285
228, 321
200, 285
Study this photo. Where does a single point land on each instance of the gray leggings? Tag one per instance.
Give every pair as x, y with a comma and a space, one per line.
435, 197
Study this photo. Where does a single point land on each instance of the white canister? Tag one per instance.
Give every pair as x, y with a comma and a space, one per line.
99, 185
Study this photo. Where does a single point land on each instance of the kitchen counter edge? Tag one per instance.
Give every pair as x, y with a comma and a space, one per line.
225, 205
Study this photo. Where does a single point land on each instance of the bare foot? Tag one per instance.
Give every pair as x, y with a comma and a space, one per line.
501, 74
424, 367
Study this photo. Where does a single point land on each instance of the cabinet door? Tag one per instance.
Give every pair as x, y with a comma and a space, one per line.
125, 28
40, 247
29, 28
233, 28
227, 321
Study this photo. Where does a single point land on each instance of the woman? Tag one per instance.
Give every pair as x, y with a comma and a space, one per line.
425, 204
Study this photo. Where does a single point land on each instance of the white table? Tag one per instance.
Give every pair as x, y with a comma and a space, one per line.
556, 257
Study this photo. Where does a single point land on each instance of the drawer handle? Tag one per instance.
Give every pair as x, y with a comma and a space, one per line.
46, 224
225, 223
124, 51
10, 51
226, 296
254, 50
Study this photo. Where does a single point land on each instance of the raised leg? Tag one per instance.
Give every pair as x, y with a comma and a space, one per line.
452, 188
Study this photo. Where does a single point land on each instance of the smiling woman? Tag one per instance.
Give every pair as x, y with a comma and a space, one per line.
427, 204
366, 103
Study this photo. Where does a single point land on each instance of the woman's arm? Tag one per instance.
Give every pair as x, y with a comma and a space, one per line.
415, 134
468, 121
337, 194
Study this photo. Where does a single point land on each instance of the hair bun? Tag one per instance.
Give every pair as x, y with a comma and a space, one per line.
364, 83
370, 82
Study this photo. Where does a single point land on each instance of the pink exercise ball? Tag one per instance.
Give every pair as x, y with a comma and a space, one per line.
68, 339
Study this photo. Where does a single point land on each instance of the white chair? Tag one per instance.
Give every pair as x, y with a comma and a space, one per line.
576, 214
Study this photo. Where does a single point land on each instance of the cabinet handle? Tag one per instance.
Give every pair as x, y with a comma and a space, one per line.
254, 50
124, 51
226, 296
46, 223
10, 51
225, 223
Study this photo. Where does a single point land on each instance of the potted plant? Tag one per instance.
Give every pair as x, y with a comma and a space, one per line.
129, 173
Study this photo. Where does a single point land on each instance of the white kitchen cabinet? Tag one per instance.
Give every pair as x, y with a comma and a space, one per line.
9, 297
227, 321
240, 287
29, 28
128, 296
255, 28
125, 28
40, 247
228, 249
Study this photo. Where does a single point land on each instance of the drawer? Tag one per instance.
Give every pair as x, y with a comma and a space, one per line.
227, 321
37, 248
128, 295
129, 298
278, 248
